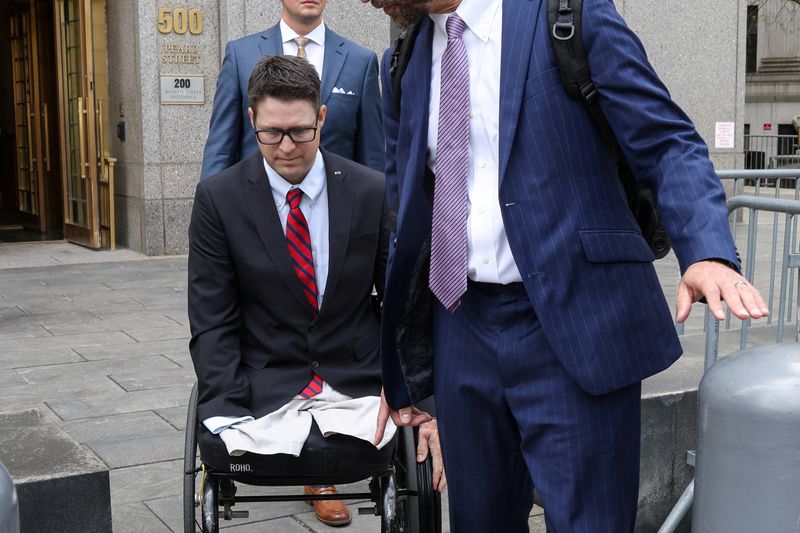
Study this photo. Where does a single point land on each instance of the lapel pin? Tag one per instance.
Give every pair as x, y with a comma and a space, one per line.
337, 172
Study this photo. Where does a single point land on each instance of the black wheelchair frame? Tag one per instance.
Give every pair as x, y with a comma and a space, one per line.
401, 492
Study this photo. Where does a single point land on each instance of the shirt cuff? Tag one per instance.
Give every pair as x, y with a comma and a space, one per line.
217, 424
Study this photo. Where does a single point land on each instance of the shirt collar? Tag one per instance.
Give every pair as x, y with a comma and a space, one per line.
477, 14
317, 35
312, 185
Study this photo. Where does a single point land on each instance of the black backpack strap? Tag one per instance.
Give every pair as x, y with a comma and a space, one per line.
401, 55
564, 21
564, 18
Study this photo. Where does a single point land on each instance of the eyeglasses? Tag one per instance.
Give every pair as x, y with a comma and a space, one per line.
296, 135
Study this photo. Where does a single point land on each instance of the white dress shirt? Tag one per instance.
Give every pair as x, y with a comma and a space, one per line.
489, 258
315, 49
314, 206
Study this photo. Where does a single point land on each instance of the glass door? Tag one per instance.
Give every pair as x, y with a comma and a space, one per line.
27, 103
82, 161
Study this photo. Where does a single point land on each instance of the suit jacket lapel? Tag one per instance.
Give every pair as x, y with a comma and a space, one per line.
416, 99
259, 200
271, 43
340, 212
519, 26
335, 55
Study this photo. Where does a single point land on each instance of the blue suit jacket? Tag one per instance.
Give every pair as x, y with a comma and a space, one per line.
586, 268
353, 126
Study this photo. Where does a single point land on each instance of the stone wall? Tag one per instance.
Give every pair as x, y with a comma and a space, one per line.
697, 49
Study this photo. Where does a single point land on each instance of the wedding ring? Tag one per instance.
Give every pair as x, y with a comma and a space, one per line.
740, 282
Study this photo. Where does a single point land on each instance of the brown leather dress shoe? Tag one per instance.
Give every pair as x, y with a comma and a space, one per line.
329, 512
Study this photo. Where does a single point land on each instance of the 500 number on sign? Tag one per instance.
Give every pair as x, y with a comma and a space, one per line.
180, 20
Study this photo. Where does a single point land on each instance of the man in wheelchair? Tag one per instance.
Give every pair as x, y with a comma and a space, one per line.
285, 250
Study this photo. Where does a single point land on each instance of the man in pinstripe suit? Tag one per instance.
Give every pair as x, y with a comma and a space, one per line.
519, 288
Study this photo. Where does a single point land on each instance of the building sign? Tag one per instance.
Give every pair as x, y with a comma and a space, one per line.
180, 54
767, 126
724, 134
182, 89
180, 21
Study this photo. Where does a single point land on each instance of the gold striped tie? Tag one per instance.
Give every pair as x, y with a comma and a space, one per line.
301, 46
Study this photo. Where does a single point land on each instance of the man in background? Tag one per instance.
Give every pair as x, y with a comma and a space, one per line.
349, 75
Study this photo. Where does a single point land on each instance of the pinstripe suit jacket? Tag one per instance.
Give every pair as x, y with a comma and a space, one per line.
585, 266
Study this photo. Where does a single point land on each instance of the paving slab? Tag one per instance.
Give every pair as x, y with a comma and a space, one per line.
171, 332
145, 379
121, 402
22, 359
170, 509
105, 321
101, 367
183, 359
132, 349
176, 416
137, 518
60, 342
146, 482
280, 525
124, 426
145, 449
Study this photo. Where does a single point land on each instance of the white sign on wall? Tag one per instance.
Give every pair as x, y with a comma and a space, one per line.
724, 135
181, 89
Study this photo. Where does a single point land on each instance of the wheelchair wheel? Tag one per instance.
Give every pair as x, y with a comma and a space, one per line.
210, 506
421, 510
190, 465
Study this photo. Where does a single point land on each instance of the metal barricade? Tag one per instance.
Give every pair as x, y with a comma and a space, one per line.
790, 261
769, 151
778, 184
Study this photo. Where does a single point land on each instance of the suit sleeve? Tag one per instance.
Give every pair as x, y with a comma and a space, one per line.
369, 147
214, 315
222, 144
659, 141
382, 255
390, 129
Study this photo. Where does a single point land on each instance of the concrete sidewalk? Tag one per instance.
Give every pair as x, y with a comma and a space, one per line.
98, 341
101, 347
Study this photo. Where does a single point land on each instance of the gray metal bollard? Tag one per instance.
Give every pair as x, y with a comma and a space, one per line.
9, 511
748, 451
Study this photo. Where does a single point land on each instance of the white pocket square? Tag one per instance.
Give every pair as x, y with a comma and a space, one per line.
339, 90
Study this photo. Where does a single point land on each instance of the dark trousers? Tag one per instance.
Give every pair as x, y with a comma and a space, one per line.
510, 417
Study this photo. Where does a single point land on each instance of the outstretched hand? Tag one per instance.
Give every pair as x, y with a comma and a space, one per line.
406, 416
717, 282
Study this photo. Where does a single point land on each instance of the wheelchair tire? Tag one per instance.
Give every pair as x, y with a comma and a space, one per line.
190, 464
429, 500
210, 508
422, 512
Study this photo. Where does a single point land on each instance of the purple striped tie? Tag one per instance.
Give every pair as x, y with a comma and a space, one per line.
448, 276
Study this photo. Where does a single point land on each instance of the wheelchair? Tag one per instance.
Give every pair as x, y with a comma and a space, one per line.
400, 489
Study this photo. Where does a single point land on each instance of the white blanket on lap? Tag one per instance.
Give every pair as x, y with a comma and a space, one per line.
286, 430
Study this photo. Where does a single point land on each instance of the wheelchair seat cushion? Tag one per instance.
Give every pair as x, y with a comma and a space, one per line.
323, 460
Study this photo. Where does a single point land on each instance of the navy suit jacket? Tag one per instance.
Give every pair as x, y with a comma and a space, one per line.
255, 340
585, 266
353, 126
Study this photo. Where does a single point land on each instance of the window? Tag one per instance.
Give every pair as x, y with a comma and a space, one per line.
752, 39
787, 137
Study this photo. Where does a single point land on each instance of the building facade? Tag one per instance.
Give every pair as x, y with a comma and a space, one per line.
104, 104
772, 96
